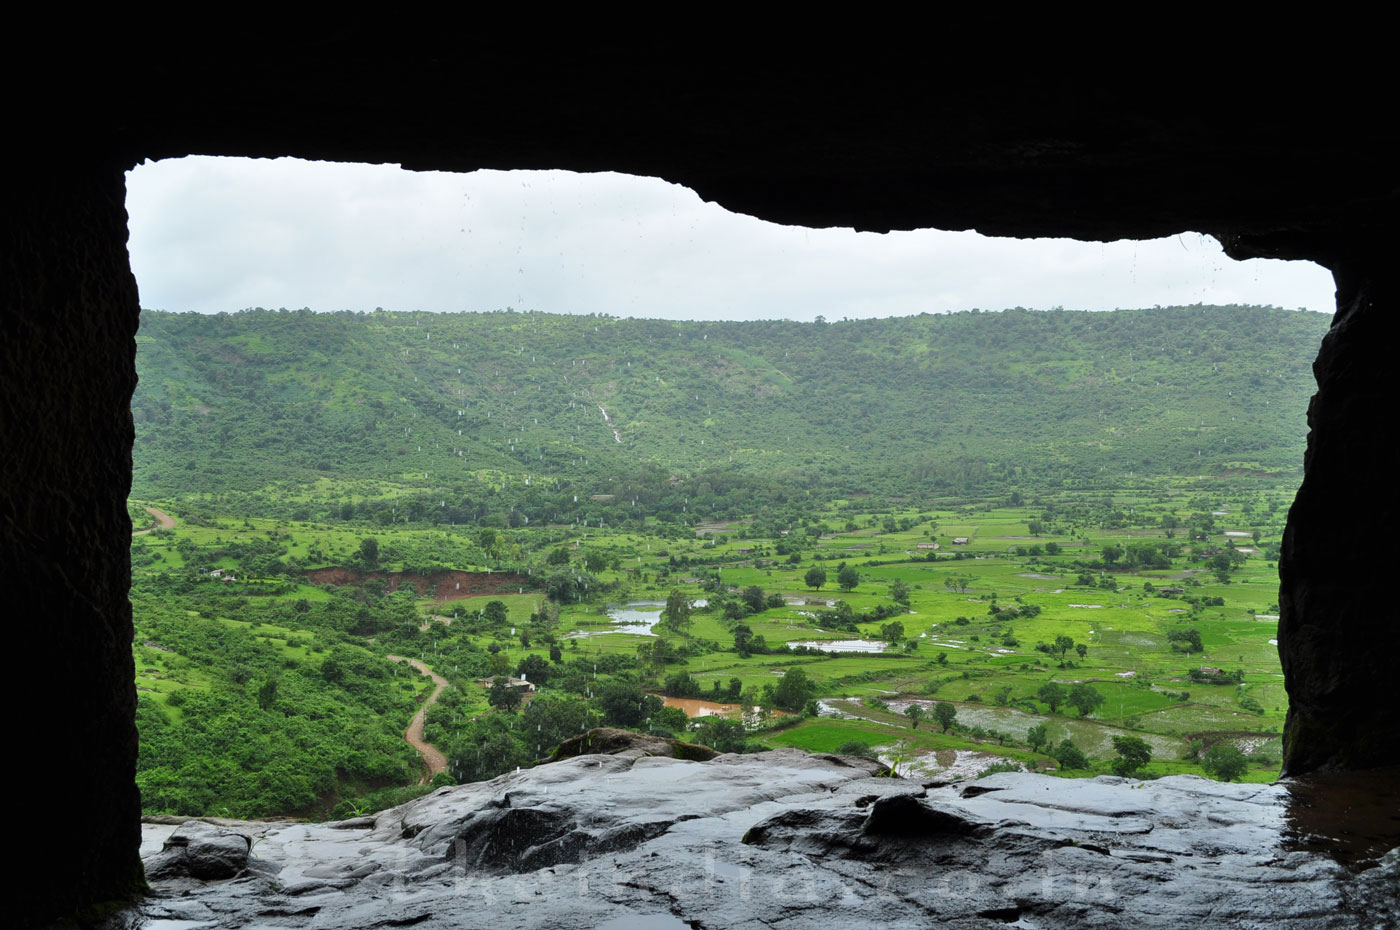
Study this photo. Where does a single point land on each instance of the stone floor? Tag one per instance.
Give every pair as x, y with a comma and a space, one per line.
790, 840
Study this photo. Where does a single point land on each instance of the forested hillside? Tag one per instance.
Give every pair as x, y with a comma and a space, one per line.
457, 410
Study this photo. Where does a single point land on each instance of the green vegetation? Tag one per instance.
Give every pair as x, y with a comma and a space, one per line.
1089, 593
453, 418
1225, 762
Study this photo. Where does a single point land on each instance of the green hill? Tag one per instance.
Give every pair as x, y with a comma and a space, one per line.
458, 409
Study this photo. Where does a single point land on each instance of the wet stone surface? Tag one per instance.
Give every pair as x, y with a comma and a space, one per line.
792, 840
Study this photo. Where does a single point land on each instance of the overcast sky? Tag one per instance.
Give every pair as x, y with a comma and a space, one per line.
221, 234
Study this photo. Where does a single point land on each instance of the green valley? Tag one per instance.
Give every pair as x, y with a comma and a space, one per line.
1060, 527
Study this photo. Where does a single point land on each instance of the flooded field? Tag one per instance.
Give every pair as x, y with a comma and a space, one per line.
844, 645
635, 617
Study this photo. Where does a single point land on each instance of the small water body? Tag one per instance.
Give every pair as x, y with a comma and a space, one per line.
1353, 817
638, 617
695, 707
844, 645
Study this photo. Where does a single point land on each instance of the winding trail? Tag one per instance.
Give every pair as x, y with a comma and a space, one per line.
164, 521
432, 756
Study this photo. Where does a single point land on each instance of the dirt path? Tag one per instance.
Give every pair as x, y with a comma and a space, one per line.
432, 756
164, 521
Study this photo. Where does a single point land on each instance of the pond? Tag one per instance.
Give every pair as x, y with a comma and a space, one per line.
795, 601
636, 617
844, 645
695, 707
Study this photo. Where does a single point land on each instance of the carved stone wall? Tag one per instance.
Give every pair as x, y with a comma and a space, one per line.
68, 317
1339, 634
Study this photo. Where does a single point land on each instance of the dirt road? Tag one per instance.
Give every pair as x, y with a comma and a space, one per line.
432, 756
164, 521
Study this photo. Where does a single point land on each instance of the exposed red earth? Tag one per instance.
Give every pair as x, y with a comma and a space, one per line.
447, 585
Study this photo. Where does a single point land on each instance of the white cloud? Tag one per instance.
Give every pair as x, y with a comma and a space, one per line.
215, 234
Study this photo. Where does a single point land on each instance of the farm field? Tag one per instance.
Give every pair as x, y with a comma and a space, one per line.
1161, 601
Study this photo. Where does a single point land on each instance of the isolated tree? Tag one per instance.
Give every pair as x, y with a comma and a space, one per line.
676, 614
1069, 756
899, 591
1133, 754
1063, 644
915, 713
1082, 649
496, 613
369, 552
1037, 736
754, 597
794, 690
815, 578
502, 695
1052, 693
1084, 699
1224, 761
848, 578
743, 639
945, 714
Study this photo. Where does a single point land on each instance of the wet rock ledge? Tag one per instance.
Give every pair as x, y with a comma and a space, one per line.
632, 840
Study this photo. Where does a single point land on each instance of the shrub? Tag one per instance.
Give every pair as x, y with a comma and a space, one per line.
1069, 756
856, 748
1000, 767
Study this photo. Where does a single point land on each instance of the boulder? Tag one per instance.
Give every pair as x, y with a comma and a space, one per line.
200, 850
609, 741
